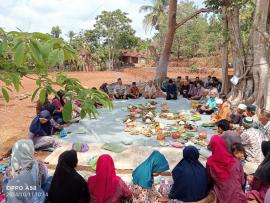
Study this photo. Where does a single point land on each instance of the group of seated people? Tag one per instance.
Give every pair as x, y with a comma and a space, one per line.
222, 180
193, 90
242, 142
121, 91
49, 119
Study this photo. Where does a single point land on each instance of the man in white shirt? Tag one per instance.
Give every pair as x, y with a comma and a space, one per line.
264, 119
150, 91
120, 90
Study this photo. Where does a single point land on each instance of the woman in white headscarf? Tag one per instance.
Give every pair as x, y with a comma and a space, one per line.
28, 174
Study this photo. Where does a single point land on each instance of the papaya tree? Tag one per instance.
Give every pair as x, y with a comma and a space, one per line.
32, 55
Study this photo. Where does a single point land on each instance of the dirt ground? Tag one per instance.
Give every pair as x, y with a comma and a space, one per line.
17, 114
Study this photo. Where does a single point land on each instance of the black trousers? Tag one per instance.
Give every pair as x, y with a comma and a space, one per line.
169, 97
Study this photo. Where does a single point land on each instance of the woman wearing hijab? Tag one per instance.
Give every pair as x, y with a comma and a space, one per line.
261, 180
143, 190
25, 172
67, 185
105, 186
190, 178
225, 172
58, 102
41, 130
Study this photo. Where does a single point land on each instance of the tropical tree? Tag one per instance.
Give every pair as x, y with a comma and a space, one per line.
71, 35
251, 81
156, 12
172, 26
113, 32
56, 31
31, 55
249, 50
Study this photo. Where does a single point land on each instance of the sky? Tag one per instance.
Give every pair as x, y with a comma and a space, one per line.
76, 15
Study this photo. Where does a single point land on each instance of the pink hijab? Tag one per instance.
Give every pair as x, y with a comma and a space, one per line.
221, 161
103, 185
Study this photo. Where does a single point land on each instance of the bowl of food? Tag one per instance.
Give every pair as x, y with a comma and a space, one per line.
202, 135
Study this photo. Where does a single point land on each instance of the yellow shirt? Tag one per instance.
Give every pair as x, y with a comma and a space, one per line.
223, 113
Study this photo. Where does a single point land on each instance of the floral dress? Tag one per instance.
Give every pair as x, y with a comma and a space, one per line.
140, 195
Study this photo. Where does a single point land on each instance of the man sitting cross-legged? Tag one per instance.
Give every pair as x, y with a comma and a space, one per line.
150, 90
171, 90
134, 92
120, 90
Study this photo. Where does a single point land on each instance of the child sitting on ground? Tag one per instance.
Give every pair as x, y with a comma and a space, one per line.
239, 152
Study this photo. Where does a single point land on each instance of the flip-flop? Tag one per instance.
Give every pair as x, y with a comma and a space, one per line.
63, 133
3, 167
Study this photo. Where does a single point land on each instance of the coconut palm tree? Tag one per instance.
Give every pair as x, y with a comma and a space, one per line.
156, 11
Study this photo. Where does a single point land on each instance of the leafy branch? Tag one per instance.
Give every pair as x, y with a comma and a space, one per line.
32, 55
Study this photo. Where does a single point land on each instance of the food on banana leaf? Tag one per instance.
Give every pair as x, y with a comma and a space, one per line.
148, 121
190, 127
127, 129
160, 136
163, 115
177, 144
153, 102
181, 123
164, 107
196, 117
202, 135
155, 124
163, 143
147, 132
200, 142
187, 135
139, 111
175, 135
208, 125
170, 116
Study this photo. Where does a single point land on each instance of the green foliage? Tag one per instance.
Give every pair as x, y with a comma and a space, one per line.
194, 68
143, 45
201, 36
218, 4
5, 94
157, 11
71, 35
42, 95
112, 32
246, 20
67, 111
56, 31
24, 54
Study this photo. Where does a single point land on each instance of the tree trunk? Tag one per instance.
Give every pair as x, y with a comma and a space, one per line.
161, 70
261, 65
224, 54
154, 54
237, 54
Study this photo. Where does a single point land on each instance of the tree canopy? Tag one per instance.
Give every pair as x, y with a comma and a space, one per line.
56, 31
32, 55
